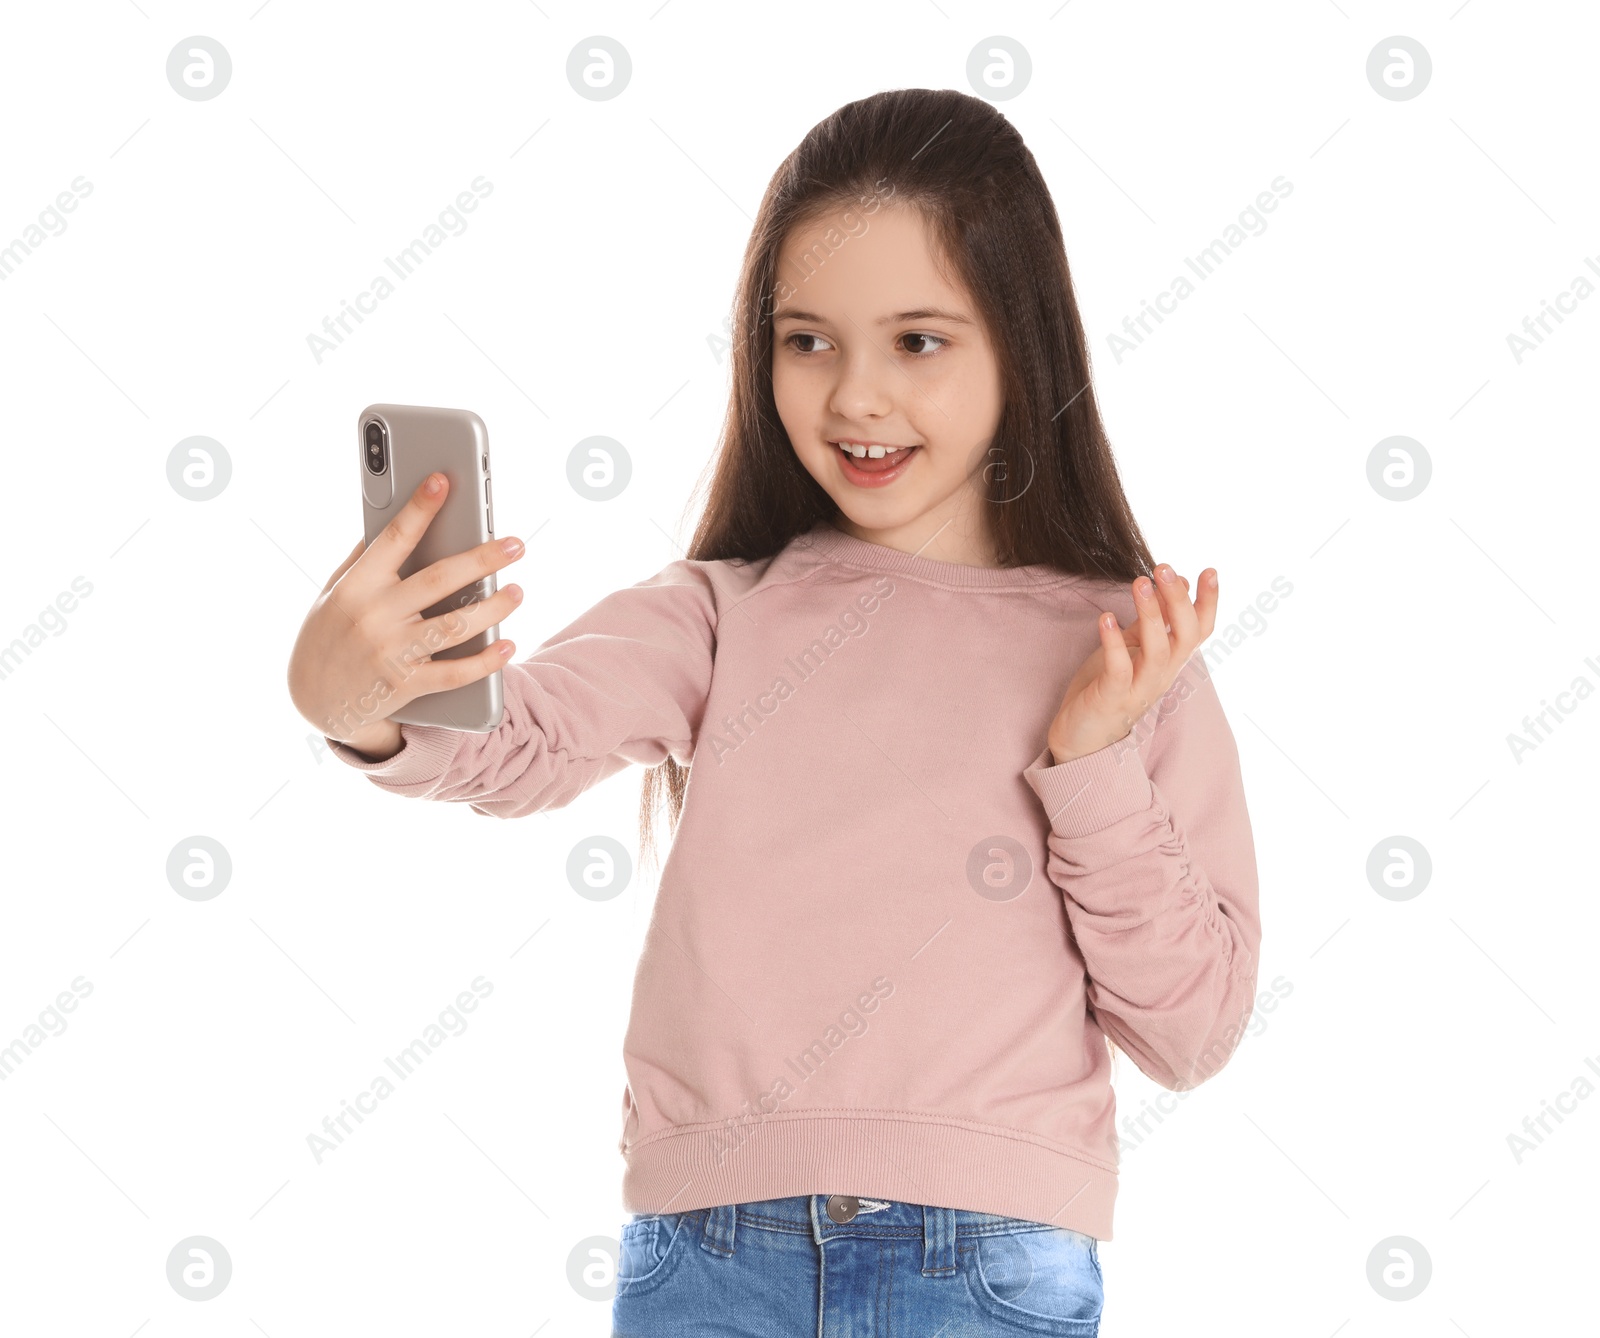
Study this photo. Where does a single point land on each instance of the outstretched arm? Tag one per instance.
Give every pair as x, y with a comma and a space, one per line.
626, 682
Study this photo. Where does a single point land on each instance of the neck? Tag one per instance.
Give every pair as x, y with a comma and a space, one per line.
950, 539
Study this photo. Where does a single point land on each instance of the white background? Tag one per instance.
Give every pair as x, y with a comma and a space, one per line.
1377, 1098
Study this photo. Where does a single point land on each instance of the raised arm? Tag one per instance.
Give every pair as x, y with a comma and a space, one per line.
1150, 843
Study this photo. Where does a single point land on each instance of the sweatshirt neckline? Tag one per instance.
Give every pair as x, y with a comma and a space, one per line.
837, 546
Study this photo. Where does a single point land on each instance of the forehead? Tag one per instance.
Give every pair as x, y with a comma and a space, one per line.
845, 262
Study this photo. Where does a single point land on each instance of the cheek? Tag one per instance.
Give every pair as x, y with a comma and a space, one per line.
795, 403
970, 369
981, 389
788, 391
782, 393
969, 402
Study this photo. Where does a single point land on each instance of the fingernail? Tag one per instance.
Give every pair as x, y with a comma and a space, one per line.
434, 483
1144, 588
1166, 573
512, 546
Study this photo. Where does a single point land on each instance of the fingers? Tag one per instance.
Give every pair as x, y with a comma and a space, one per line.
454, 626
1180, 612
439, 580
1206, 605
442, 675
402, 534
357, 551
1154, 647
1114, 644
1192, 622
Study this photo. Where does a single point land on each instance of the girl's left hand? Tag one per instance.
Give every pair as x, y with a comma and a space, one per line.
1133, 666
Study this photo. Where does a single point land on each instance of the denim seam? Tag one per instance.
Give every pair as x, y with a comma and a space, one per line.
963, 1232
761, 1220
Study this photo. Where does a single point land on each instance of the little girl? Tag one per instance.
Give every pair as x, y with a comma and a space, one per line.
955, 804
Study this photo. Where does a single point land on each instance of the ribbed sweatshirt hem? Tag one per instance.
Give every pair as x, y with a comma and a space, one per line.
914, 1161
1084, 795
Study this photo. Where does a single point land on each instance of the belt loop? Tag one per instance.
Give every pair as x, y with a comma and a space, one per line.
938, 1241
717, 1237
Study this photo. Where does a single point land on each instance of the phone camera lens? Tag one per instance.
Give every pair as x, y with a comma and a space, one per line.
377, 453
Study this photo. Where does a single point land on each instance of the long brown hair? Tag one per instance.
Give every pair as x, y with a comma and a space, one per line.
1052, 494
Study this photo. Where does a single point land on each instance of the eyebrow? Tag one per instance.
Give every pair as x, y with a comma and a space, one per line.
899, 317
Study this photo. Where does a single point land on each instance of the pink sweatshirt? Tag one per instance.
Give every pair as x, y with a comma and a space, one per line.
892, 935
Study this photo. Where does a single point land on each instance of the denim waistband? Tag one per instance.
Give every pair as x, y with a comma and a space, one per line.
938, 1228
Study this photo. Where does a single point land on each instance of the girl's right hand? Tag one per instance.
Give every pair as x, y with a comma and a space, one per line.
355, 661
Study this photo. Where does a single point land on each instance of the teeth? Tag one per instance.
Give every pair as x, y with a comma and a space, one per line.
875, 451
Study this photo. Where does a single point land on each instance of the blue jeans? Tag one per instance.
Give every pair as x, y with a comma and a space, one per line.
834, 1266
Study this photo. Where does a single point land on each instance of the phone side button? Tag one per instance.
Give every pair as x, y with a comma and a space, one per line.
488, 507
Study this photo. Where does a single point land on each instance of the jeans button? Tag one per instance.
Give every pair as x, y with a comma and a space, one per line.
843, 1207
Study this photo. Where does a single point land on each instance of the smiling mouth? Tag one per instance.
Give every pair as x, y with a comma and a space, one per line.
873, 459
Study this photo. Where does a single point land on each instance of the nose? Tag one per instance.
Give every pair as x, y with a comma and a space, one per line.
861, 390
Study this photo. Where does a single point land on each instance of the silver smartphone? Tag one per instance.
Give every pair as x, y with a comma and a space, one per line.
400, 445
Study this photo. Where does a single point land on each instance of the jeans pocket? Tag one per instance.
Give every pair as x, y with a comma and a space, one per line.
646, 1253
1045, 1280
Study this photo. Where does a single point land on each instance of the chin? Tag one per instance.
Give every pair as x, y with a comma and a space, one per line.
888, 514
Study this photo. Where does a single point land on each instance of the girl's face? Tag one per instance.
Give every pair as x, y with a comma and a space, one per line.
872, 346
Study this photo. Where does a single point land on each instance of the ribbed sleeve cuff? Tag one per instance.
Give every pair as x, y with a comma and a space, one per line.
425, 753
1087, 794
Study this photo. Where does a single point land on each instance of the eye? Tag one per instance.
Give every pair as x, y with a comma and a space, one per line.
937, 339
803, 352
